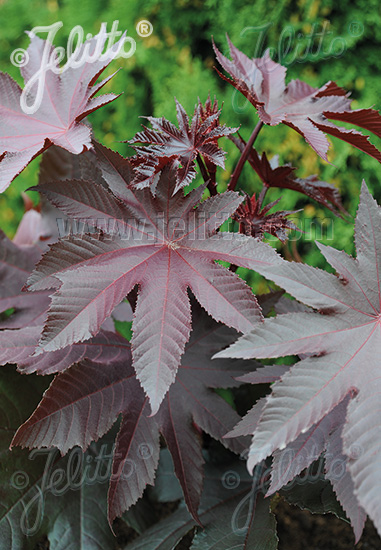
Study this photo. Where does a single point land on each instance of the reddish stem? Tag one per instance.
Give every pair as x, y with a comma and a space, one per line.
207, 179
244, 155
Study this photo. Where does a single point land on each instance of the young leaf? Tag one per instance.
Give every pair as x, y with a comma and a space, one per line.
298, 105
165, 245
67, 99
165, 144
255, 220
282, 177
344, 340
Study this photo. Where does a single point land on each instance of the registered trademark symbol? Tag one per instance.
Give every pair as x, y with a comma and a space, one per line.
144, 28
356, 28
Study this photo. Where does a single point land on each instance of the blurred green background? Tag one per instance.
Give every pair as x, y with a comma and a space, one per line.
318, 40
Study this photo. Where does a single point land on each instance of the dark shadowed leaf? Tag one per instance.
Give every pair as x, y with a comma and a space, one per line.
232, 513
20, 475
84, 401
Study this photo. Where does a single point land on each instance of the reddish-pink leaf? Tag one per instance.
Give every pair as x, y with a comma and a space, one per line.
300, 106
67, 98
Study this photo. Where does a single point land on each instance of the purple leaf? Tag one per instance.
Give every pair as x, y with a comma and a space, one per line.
344, 342
161, 243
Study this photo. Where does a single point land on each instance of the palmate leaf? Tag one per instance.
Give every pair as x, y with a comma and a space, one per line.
67, 98
298, 105
83, 402
344, 343
323, 438
165, 244
166, 143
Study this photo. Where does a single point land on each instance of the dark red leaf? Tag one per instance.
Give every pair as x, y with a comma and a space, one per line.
283, 177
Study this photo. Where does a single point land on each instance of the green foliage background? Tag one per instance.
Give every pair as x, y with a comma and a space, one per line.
177, 60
